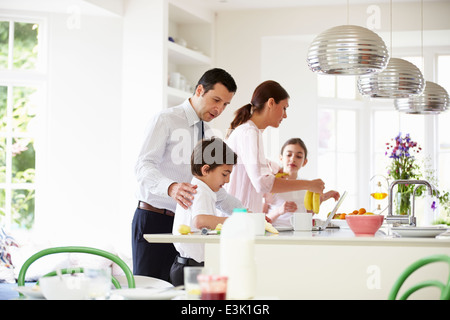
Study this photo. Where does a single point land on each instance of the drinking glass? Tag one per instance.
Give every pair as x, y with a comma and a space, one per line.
213, 287
98, 283
191, 285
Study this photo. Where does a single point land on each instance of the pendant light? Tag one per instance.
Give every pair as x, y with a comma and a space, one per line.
400, 79
347, 50
433, 100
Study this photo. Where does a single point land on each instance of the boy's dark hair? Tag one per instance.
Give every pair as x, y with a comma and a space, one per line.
213, 76
213, 152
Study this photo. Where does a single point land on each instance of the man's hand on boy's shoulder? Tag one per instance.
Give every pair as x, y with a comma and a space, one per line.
183, 193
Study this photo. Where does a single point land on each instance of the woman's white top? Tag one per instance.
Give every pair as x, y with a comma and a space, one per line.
204, 203
251, 176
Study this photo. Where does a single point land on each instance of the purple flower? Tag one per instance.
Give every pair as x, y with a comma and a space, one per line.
433, 205
402, 148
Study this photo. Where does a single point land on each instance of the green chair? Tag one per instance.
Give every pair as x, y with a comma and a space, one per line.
98, 252
445, 288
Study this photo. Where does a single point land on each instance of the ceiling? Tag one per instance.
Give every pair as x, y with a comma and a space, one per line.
115, 7
224, 5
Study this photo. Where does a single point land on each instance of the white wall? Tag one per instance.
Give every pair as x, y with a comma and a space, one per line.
79, 188
143, 86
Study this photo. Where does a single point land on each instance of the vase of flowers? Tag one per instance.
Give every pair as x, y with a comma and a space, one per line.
402, 151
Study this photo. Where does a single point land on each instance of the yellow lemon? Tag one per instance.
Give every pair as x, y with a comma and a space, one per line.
184, 229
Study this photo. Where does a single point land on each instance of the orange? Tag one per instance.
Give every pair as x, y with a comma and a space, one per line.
362, 211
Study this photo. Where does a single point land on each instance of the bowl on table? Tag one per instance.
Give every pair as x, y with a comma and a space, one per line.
63, 288
364, 225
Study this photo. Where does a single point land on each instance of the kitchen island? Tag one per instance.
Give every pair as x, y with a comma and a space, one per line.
330, 264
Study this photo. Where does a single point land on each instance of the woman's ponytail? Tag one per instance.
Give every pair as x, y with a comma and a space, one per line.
242, 115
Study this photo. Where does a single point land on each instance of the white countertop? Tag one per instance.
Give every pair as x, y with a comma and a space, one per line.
342, 236
306, 257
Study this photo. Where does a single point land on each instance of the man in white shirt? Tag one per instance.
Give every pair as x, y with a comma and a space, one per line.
163, 170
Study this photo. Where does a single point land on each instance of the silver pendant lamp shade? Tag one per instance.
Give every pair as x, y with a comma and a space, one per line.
347, 50
433, 100
399, 79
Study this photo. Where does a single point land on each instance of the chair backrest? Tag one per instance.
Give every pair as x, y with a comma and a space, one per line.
445, 288
98, 252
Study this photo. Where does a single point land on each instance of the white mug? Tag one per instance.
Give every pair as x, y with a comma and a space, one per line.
258, 220
302, 221
174, 80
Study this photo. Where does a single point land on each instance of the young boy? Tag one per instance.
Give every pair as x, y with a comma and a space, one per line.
211, 165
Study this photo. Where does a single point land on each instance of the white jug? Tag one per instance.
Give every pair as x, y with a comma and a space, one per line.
237, 256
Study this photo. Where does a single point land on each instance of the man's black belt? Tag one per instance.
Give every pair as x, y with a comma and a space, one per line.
189, 262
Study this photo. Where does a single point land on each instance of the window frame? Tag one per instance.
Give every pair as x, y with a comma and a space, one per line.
37, 77
356, 105
446, 183
366, 152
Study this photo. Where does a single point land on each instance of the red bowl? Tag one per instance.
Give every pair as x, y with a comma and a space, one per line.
364, 225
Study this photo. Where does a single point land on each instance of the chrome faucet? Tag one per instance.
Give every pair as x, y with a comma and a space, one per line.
400, 219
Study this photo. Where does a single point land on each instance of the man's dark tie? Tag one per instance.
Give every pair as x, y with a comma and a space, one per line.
201, 130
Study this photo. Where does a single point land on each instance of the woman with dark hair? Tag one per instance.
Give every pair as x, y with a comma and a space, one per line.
252, 176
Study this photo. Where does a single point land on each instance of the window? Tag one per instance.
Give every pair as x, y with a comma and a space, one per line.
21, 88
338, 136
353, 132
385, 127
343, 87
337, 149
443, 66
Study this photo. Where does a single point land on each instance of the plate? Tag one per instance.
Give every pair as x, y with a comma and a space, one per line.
147, 294
341, 223
144, 282
423, 232
31, 292
284, 228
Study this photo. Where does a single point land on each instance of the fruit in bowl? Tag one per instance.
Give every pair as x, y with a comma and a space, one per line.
364, 224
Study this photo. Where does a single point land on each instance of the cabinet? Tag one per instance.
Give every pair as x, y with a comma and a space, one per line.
189, 49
